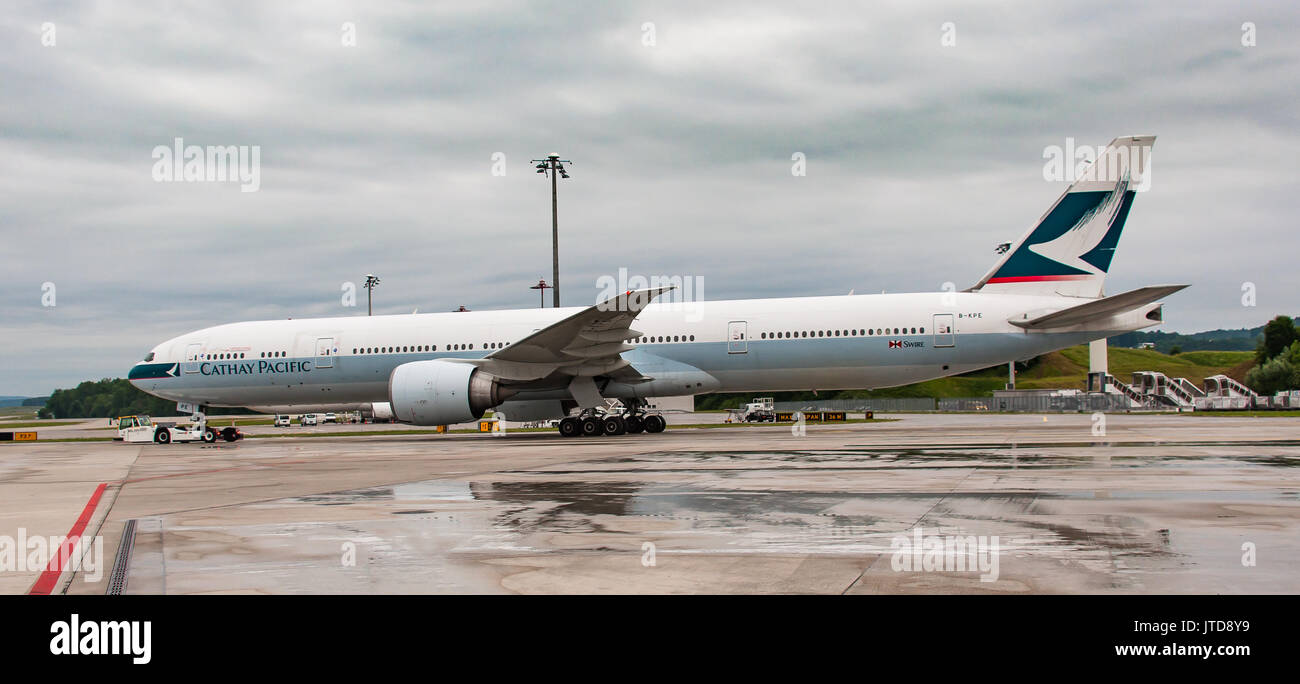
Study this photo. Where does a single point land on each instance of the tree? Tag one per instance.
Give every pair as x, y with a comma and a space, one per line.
109, 398
1273, 376
1278, 335
1175, 350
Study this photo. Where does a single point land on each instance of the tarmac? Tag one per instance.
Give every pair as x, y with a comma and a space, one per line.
926, 503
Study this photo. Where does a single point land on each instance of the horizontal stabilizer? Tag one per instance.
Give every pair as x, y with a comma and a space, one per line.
1095, 309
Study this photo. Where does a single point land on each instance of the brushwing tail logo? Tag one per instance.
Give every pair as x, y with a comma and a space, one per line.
1087, 233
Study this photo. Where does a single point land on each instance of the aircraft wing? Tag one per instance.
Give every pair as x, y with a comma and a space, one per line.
1094, 308
584, 345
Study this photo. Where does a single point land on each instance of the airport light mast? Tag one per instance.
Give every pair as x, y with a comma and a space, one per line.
371, 281
541, 285
553, 166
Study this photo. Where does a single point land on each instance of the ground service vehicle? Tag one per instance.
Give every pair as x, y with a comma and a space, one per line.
760, 410
139, 429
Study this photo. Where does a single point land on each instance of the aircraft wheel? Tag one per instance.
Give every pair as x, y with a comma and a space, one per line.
592, 427
634, 424
570, 427
615, 425
655, 424
163, 436
230, 434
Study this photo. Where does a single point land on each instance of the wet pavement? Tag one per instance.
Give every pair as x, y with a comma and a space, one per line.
931, 503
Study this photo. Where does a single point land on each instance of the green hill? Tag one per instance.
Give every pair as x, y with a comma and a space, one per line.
1068, 368
1065, 369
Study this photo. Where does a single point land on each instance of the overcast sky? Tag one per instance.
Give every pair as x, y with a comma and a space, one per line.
681, 119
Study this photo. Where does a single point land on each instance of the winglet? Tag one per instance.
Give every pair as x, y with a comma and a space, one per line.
632, 300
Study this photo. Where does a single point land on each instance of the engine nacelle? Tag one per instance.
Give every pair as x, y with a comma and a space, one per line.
442, 392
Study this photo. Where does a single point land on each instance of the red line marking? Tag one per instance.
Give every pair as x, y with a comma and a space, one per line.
45, 583
1033, 279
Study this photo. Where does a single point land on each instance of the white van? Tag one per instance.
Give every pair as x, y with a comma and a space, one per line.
281, 421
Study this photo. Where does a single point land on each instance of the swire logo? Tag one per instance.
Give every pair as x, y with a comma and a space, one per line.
895, 344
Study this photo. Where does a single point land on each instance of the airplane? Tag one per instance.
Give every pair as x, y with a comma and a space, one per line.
1044, 293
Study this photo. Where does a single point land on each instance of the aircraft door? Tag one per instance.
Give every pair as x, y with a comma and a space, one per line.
945, 335
193, 355
736, 342
325, 352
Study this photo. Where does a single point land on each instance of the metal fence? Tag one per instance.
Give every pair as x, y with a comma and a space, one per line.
1038, 403
880, 405
1028, 403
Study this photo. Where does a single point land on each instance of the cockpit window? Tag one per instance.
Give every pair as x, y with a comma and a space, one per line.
148, 357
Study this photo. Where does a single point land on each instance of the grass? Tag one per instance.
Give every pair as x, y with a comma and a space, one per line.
39, 423
1065, 369
215, 421
1068, 369
17, 412
1247, 414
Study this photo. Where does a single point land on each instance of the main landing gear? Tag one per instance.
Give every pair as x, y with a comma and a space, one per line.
590, 424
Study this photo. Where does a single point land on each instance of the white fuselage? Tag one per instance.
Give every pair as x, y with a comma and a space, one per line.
822, 343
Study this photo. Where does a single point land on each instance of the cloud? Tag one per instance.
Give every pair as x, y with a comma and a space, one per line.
378, 157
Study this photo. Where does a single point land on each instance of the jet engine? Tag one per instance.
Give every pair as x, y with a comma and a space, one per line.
442, 392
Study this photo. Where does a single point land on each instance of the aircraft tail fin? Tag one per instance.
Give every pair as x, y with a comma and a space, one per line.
1069, 250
